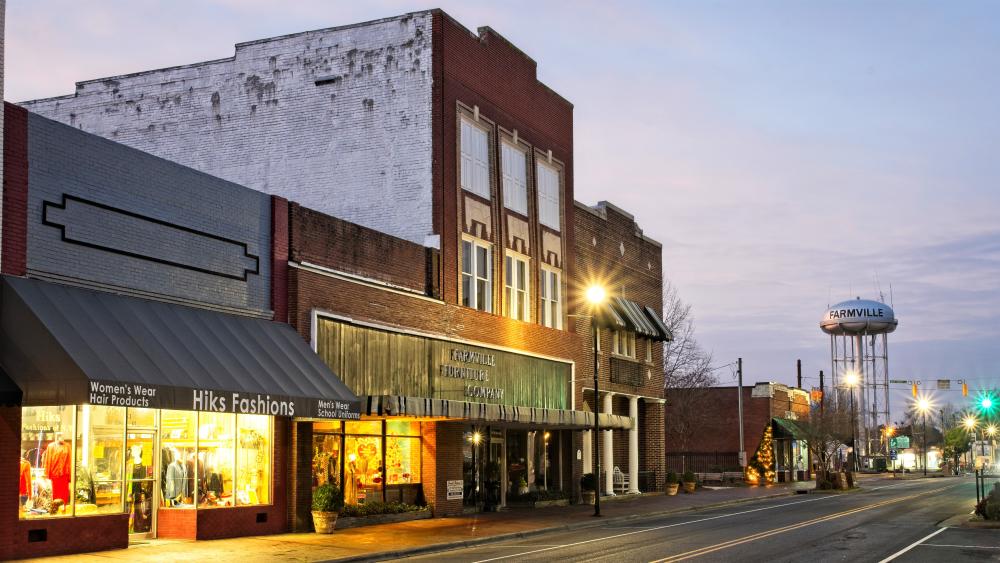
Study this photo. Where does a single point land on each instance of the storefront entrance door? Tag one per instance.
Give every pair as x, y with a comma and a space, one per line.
142, 481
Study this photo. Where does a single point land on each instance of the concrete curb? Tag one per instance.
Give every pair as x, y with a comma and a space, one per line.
473, 542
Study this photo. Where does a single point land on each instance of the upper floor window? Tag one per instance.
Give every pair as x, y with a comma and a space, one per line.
475, 162
551, 303
623, 343
649, 351
477, 275
516, 287
515, 178
548, 195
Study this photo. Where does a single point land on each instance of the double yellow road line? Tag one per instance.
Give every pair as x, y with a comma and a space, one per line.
791, 527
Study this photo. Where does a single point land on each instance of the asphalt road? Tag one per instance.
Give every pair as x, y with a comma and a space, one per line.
877, 523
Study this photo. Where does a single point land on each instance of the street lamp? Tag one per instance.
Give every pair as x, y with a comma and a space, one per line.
545, 460
476, 439
923, 405
596, 296
851, 379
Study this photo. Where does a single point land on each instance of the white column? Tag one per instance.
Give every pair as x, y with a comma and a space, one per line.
633, 446
588, 452
608, 455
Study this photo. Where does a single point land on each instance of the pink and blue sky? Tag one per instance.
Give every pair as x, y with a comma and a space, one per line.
789, 155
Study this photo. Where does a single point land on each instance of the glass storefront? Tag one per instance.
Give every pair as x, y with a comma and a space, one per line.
368, 457
84, 460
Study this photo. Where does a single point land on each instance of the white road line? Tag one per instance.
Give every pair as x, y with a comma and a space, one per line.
654, 529
912, 545
961, 546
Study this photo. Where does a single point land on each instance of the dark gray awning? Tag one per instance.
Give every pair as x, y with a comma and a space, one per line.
424, 407
635, 317
65, 345
665, 335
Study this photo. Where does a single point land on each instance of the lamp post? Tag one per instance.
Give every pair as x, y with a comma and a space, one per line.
545, 460
851, 379
923, 405
596, 295
476, 438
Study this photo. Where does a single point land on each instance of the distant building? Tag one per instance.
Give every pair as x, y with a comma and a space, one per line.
702, 427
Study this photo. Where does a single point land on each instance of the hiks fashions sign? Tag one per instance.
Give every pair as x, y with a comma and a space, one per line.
139, 395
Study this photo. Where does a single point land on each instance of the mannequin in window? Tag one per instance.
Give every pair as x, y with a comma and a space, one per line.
56, 462
175, 484
140, 493
24, 481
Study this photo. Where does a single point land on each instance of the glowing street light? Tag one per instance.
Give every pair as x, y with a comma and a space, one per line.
991, 430
851, 380
924, 405
596, 296
969, 422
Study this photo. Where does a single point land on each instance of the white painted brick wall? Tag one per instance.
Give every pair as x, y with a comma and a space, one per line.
357, 147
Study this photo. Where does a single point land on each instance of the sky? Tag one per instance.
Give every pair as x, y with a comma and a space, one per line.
788, 155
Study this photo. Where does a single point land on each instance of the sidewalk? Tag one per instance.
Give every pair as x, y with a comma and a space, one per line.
394, 540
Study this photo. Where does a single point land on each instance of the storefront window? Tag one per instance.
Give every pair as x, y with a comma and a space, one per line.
326, 459
402, 452
370, 427
46, 465
178, 458
363, 473
216, 453
141, 418
100, 450
253, 459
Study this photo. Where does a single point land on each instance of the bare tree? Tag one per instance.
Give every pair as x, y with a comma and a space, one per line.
827, 429
687, 370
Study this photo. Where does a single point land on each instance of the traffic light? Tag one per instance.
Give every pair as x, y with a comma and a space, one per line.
987, 404
965, 389
914, 389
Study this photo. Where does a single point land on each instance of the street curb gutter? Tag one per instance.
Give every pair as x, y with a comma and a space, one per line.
459, 544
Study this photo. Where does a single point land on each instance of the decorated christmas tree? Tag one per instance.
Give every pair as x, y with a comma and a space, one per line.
760, 469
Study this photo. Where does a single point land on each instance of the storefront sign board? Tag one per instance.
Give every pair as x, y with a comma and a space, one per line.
455, 489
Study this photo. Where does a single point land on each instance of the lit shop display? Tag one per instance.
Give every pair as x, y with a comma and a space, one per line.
84, 460
367, 457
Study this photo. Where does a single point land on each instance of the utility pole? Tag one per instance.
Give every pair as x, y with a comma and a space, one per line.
822, 393
739, 389
798, 367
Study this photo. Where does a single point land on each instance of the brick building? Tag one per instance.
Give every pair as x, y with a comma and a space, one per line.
702, 427
424, 240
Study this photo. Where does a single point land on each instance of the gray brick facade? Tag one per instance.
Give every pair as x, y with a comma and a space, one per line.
337, 119
106, 215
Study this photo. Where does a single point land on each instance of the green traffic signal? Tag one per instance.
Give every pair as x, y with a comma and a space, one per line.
987, 403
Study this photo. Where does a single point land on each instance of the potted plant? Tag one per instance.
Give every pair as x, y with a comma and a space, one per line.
690, 482
588, 484
327, 501
522, 486
672, 483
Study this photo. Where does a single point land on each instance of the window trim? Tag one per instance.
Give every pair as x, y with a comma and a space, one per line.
617, 337
545, 301
490, 276
525, 303
487, 132
504, 175
555, 168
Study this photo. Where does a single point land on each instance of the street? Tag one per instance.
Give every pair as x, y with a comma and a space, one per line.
882, 521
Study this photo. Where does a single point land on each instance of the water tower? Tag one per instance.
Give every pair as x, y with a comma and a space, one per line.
859, 347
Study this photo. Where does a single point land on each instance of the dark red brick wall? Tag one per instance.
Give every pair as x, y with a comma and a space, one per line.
486, 70
441, 462
298, 489
177, 524
347, 247
10, 454
279, 258
15, 191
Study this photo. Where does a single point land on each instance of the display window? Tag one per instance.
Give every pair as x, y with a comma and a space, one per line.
89, 459
326, 459
253, 459
363, 475
178, 458
100, 450
46, 464
402, 458
216, 454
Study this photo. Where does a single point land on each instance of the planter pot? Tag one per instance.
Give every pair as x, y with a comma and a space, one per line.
324, 522
672, 488
523, 490
588, 497
689, 486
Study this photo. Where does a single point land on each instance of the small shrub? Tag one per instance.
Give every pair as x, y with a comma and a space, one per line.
327, 498
824, 485
536, 496
588, 482
689, 477
671, 478
989, 507
377, 508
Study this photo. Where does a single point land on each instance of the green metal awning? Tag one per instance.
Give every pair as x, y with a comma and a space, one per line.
665, 334
790, 427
